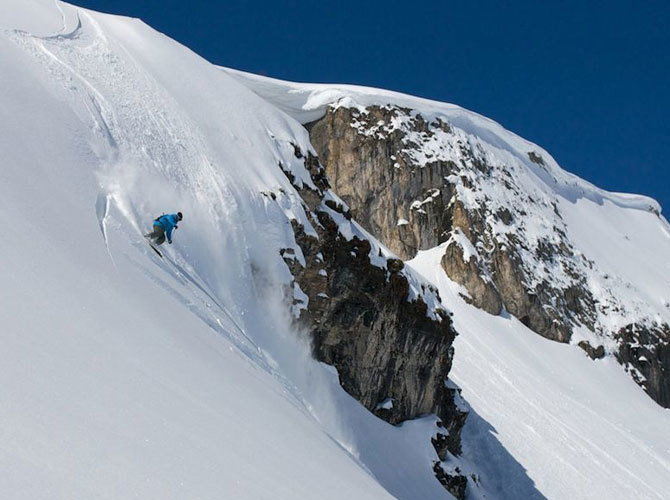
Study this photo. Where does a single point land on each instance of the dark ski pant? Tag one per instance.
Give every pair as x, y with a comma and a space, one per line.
157, 236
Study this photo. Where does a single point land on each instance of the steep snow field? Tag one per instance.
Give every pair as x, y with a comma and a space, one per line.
128, 376
579, 429
582, 429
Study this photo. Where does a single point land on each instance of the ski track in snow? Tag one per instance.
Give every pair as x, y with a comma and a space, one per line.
154, 144
66, 63
102, 203
554, 410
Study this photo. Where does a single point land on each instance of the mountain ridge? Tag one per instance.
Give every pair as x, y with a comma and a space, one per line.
416, 176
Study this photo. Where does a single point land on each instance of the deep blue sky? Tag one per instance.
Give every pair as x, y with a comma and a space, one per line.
588, 81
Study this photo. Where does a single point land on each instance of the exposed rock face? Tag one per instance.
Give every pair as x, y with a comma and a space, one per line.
470, 272
454, 482
645, 352
390, 345
592, 352
385, 347
416, 182
370, 173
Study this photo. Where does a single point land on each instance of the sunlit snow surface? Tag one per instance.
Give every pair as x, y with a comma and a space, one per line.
129, 376
582, 429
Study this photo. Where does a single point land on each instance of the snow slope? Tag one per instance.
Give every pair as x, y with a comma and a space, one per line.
581, 429
126, 375
578, 428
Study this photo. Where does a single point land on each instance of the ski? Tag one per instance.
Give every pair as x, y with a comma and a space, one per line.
156, 250
153, 247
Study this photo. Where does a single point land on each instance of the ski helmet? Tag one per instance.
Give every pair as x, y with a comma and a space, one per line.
179, 216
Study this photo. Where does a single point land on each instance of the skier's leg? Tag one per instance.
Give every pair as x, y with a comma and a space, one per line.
160, 235
157, 235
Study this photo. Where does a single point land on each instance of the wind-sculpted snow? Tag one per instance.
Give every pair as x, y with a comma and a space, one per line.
308, 102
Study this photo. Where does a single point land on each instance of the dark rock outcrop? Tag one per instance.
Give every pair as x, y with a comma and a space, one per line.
592, 352
414, 200
469, 272
645, 352
416, 183
384, 346
393, 353
454, 482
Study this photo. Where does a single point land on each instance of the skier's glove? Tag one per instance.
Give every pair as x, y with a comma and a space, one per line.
170, 242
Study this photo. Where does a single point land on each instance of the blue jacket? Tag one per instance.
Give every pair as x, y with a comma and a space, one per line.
168, 223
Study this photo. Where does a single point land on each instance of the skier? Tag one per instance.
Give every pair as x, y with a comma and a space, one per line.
163, 227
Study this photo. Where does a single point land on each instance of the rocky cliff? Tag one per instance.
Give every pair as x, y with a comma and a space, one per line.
418, 182
382, 328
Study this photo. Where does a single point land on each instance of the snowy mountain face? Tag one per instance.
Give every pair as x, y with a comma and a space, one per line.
280, 349
519, 234
515, 245
511, 239
190, 376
